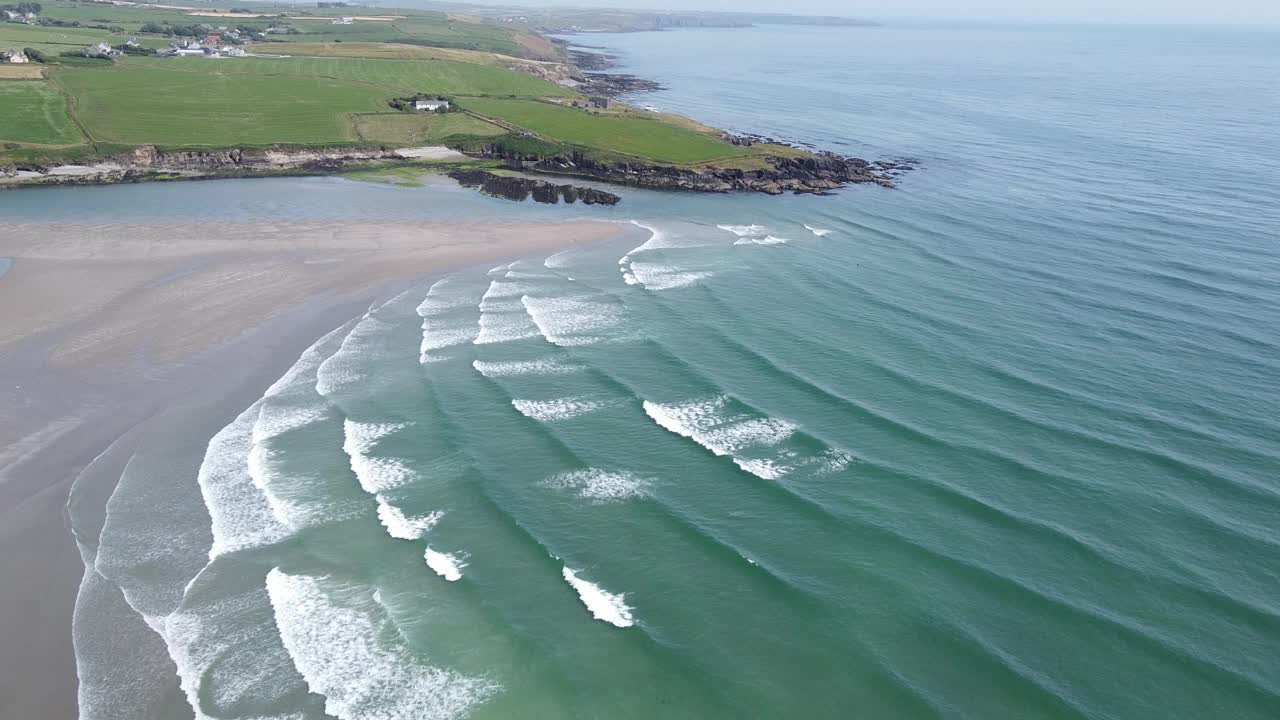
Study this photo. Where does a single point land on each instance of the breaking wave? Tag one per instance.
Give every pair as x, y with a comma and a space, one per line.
604, 606
337, 646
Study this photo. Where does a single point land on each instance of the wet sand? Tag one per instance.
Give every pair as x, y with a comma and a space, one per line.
110, 334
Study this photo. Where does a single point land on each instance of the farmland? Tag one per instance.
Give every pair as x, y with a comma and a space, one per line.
319, 85
33, 113
152, 106
639, 136
421, 129
399, 76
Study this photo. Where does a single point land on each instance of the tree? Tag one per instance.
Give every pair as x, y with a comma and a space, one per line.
35, 55
154, 29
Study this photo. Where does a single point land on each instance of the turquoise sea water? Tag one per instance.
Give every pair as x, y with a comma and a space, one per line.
1001, 443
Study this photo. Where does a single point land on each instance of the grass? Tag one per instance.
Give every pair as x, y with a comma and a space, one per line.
32, 112
21, 72
49, 40
635, 135
142, 106
405, 76
421, 128
383, 51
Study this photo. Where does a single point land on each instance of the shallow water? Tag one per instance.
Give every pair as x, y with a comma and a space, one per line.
999, 443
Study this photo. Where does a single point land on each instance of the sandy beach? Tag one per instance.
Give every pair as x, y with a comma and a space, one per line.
104, 327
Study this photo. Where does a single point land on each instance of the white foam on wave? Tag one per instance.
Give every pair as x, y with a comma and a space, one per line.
405, 527
309, 362
340, 651
375, 474
446, 565
766, 240
817, 231
600, 485
604, 606
437, 335
346, 367
275, 419
743, 230
557, 408
763, 468
241, 517
262, 474
509, 326
224, 652
655, 276
573, 321
442, 297
501, 290
544, 366
706, 423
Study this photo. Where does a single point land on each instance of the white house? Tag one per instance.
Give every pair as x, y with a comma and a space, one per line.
344, 21
232, 51
12, 16
101, 50
14, 56
431, 105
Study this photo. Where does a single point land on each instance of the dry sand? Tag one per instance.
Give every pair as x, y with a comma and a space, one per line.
103, 328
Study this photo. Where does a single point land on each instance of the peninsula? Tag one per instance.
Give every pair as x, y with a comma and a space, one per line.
100, 92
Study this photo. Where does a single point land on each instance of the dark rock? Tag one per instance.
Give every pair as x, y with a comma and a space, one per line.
821, 172
513, 187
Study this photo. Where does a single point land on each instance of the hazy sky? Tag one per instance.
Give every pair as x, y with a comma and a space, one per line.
1239, 11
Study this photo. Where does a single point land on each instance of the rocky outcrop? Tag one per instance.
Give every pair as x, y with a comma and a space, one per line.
518, 188
816, 173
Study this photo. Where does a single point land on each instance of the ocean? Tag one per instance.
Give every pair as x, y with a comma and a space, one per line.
999, 443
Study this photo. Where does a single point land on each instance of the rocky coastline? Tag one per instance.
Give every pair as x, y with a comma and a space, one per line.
813, 174
519, 188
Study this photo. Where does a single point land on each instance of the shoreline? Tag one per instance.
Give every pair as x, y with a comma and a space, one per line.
122, 334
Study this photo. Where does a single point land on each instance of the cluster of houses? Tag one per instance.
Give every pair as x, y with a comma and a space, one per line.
28, 18
209, 46
103, 50
13, 56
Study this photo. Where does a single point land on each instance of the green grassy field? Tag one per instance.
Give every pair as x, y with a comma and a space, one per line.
141, 106
32, 112
650, 139
405, 76
383, 51
420, 128
49, 40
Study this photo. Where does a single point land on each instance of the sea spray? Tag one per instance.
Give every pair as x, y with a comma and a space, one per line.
446, 565
603, 605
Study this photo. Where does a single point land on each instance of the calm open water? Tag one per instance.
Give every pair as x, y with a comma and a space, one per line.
1001, 443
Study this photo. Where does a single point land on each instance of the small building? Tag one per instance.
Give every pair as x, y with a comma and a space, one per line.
131, 42
101, 50
11, 16
277, 30
14, 56
344, 21
431, 105
185, 52
232, 51
211, 40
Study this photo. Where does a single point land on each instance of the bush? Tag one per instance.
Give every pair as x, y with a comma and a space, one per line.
35, 55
